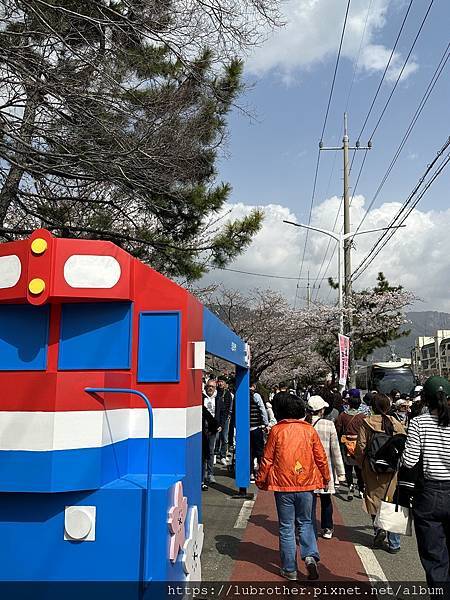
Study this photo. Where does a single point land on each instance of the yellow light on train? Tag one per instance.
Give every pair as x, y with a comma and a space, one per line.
39, 246
36, 286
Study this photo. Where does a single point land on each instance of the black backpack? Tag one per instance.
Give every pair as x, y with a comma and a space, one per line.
384, 451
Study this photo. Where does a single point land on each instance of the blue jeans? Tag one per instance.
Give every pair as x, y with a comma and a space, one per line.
208, 465
295, 512
393, 539
223, 439
326, 511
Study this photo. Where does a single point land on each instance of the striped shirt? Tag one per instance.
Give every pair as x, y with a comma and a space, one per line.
426, 438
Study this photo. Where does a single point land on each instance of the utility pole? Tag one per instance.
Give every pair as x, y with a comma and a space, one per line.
348, 242
347, 225
341, 238
308, 294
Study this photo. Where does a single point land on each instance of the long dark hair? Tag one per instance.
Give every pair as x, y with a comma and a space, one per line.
438, 402
380, 406
310, 414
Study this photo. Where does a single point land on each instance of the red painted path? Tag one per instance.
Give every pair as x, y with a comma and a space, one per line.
258, 556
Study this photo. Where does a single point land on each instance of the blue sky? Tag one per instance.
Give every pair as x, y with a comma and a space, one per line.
270, 158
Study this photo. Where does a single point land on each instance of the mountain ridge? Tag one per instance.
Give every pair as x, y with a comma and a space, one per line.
420, 323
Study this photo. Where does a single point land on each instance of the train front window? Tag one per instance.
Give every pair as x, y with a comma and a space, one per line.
95, 335
385, 380
23, 337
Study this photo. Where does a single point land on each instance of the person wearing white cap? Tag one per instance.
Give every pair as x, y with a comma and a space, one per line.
328, 436
400, 411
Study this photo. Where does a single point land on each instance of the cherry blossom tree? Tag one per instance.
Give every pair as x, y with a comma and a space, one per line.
281, 338
302, 343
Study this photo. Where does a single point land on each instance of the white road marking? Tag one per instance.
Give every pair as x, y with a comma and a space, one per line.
371, 565
244, 514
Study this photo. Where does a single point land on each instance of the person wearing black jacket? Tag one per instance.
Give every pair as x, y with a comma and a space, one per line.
215, 406
210, 428
225, 396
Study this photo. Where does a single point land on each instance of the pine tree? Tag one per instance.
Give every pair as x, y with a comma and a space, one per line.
111, 117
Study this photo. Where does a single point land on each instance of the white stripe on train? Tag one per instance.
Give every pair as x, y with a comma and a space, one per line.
69, 430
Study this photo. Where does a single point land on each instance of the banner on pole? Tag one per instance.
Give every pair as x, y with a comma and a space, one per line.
344, 351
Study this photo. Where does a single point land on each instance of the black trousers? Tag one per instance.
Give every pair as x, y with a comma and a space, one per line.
349, 476
326, 512
256, 447
431, 509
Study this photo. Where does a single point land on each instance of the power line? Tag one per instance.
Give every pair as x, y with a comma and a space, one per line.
355, 66
427, 186
321, 140
396, 82
379, 245
402, 69
405, 205
309, 221
434, 79
335, 70
263, 274
385, 71
356, 61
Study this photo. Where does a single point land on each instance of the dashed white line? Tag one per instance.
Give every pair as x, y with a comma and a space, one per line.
244, 514
371, 565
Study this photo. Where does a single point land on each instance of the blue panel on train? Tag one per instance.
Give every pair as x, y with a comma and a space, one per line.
159, 347
95, 335
23, 337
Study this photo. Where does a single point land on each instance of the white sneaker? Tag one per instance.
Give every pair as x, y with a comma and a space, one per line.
224, 461
327, 534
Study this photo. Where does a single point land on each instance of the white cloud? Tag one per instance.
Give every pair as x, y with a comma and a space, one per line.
311, 34
417, 257
375, 57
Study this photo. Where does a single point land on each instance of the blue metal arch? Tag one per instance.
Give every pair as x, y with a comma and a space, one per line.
222, 342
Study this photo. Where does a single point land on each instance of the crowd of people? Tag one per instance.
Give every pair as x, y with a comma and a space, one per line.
381, 448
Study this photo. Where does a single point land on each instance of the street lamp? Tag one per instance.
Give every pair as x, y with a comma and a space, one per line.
341, 238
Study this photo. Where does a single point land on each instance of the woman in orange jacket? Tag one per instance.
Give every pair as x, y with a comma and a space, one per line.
293, 466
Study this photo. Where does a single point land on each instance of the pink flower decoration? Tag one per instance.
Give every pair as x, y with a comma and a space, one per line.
176, 521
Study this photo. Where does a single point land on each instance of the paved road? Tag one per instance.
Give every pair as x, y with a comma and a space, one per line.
404, 566
348, 556
220, 513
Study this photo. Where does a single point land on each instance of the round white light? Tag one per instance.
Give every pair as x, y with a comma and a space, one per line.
78, 523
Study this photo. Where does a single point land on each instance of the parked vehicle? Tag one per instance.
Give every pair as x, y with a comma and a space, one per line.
385, 376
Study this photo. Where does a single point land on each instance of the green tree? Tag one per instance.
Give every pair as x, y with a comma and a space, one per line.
111, 117
383, 306
378, 315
